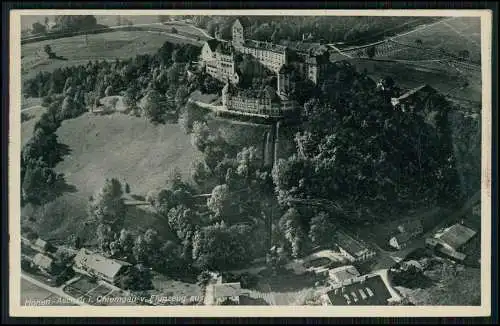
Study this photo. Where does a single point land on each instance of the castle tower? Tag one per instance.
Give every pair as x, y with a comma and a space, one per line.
218, 34
238, 32
283, 81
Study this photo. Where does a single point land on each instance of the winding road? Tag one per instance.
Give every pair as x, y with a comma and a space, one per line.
55, 290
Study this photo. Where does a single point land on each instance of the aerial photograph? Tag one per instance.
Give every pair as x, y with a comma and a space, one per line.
172, 160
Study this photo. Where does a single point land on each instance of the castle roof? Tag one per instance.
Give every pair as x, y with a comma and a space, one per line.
224, 48
265, 46
213, 43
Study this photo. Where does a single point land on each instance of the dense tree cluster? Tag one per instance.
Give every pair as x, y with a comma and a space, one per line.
320, 28
156, 86
73, 23
363, 153
40, 184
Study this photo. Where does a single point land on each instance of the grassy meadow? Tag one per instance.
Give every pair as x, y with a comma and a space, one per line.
129, 148
453, 35
104, 46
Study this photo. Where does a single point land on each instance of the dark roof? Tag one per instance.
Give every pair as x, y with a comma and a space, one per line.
224, 47
370, 292
244, 21
301, 46
212, 43
265, 46
456, 236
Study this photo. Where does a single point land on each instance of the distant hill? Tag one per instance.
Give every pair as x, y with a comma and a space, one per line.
108, 20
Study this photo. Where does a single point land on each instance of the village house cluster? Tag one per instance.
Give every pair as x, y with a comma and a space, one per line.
218, 59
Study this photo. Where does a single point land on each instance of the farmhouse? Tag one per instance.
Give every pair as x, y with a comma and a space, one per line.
400, 241
92, 264
368, 290
452, 241
42, 245
343, 274
352, 249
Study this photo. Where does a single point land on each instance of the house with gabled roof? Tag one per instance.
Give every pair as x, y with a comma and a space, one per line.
452, 241
42, 245
352, 249
93, 264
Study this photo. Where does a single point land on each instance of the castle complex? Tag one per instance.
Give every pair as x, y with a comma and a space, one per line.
218, 60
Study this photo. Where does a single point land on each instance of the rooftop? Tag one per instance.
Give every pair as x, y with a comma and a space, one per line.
225, 290
265, 46
456, 236
371, 291
41, 243
344, 273
43, 261
402, 237
98, 263
212, 43
224, 48
349, 244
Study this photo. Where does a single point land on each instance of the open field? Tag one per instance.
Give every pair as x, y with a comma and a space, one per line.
106, 146
411, 75
108, 20
104, 46
453, 35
